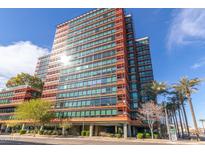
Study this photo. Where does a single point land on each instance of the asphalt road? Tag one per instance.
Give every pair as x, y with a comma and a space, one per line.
29, 140
11, 142
71, 143
8, 140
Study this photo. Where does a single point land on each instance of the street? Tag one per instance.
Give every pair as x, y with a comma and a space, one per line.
39, 140
11, 142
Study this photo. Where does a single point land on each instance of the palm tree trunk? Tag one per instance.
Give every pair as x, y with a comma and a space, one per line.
185, 116
183, 121
180, 120
176, 121
167, 123
193, 117
175, 126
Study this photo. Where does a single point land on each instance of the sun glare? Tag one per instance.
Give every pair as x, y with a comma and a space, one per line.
65, 60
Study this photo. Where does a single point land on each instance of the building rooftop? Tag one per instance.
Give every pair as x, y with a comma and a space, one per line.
143, 38
76, 18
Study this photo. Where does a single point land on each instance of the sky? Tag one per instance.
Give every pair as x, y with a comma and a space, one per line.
177, 41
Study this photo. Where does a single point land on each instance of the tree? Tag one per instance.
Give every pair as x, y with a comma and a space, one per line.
25, 79
188, 87
154, 89
175, 100
150, 112
181, 98
172, 107
36, 111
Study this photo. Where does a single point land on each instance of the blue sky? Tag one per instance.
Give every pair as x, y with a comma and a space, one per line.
177, 42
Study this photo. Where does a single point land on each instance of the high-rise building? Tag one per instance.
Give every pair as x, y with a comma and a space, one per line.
42, 67
96, 72
144, 66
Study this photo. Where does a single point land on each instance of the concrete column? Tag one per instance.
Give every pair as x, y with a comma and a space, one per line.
129, 131
96, 130
134, 131
7, 129
63, 130
116, 131
125, 130
91, 130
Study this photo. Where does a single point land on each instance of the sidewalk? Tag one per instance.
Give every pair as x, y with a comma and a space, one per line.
156, 141
94, 140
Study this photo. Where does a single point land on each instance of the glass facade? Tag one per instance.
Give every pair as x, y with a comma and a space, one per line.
96, 67
91, 48
144, 65
42, 67
133, 67
10, 97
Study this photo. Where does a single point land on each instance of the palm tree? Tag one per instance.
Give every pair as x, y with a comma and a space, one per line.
175, 119
154, 89
188, 87
174, 100
171, 107
182, 99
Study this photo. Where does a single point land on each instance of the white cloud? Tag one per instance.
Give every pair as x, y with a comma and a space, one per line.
198, 64
187, 26
18, 57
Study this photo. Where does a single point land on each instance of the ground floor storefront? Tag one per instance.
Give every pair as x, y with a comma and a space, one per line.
123, 130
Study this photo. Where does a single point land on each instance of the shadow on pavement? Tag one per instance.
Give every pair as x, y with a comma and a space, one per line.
9, 142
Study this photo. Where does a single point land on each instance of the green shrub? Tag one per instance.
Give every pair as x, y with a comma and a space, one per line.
156, 136
28, 131
41, 132
140, 135
87, 133
35, 131
21, 132
54, 132
45, 132
49, 132
111, 135
118, 135
83, 133
147, 135
59, 132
